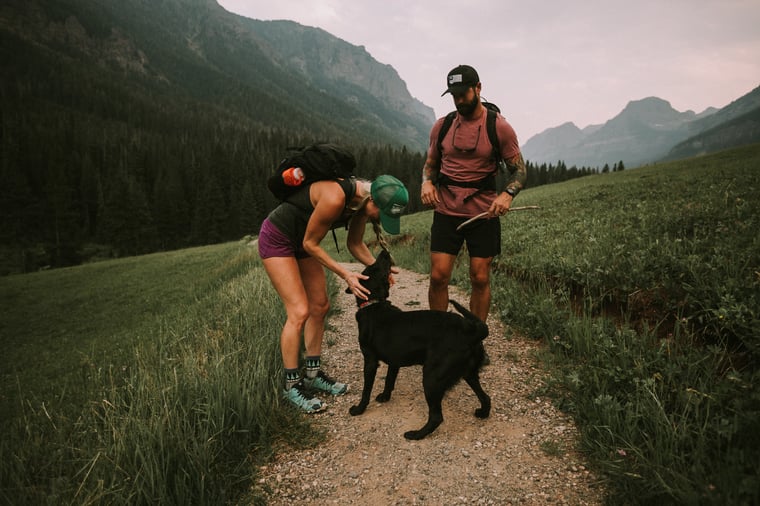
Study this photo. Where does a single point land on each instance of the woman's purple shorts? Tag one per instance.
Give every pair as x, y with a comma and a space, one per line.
273, 243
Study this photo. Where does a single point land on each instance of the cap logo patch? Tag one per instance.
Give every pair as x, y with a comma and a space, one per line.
455, 78
396, 209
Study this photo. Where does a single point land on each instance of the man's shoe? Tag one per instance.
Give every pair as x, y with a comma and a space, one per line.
324, 383
298, 396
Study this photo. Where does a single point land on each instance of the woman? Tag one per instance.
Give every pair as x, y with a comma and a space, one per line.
289, 245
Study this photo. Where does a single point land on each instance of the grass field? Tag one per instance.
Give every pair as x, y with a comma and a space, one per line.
63, 321
144, 380
154, 379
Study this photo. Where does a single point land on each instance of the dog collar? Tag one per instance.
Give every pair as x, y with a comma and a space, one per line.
367, 303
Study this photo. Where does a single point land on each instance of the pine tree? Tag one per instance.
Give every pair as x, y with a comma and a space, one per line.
170, 209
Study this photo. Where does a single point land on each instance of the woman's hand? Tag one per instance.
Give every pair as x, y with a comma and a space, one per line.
353, 280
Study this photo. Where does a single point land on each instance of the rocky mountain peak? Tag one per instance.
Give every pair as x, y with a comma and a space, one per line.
654, 112
643, 132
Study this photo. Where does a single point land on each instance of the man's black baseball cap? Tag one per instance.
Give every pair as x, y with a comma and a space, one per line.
460, 78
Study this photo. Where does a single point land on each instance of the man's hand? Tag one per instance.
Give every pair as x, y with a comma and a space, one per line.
500, 205
429, 194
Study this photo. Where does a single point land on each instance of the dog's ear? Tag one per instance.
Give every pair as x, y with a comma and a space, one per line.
384, 262
387, 254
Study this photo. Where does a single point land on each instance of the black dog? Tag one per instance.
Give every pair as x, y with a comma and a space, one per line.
448, 346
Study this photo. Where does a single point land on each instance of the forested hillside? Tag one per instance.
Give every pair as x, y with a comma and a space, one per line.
122, 136
132, 127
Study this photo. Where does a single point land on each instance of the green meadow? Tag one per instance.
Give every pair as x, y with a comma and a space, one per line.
155, 379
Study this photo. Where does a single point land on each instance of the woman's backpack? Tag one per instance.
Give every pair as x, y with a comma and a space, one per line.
307, 164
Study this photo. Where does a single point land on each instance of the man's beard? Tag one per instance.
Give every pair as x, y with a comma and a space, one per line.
467, 108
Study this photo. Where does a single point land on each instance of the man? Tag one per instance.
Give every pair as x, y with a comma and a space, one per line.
459, 182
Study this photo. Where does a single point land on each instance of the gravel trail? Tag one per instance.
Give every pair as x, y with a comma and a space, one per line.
524, 453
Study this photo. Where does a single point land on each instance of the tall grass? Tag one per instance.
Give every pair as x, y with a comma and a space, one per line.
183, 422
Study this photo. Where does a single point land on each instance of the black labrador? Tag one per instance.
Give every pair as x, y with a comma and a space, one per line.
448, 346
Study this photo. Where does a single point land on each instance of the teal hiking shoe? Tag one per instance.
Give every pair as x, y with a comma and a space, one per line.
325, 383
298, 396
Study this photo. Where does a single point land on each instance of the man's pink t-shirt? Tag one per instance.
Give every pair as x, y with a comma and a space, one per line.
467, 157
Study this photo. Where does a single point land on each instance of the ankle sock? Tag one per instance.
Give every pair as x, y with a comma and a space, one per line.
312, 366
292, 376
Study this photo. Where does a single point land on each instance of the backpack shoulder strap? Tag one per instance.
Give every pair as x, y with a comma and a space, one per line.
491, 131
445, 126
349, 188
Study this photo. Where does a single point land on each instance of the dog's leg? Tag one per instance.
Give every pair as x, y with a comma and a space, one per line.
435, 417
473, 379
390, 383
434, 392
370, 369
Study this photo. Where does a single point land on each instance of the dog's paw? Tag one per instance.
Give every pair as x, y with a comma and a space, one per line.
383, 397
356, 410
415, 435
482, 412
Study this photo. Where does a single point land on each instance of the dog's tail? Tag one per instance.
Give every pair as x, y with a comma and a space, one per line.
480, 325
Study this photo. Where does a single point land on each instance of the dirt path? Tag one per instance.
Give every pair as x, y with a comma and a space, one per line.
522, 454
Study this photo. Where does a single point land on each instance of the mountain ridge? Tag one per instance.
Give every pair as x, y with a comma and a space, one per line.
196, 47
645, 131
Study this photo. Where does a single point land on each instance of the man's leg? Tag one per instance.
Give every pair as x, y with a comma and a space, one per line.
441, 266
445, 243
480, 300
483, 244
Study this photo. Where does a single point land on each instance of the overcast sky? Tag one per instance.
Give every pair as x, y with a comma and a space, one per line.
546, 62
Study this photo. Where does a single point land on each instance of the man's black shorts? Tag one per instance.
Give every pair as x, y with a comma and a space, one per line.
483, 237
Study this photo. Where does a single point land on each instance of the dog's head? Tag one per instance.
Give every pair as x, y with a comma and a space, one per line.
378, 281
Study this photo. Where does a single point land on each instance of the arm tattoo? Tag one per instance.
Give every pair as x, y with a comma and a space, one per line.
519, 175
428, 171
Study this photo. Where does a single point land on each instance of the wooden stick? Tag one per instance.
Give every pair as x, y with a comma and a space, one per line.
485, 214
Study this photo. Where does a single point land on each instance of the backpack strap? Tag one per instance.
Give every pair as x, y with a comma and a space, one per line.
491, 131
349, 189
445, 126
